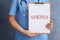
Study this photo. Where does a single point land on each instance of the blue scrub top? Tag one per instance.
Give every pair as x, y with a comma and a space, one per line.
20, 10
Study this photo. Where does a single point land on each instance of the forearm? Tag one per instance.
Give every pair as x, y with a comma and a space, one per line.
14, 24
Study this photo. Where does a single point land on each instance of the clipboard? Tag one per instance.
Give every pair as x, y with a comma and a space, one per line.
38, 17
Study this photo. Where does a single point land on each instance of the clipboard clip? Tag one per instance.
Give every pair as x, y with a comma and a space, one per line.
39, 3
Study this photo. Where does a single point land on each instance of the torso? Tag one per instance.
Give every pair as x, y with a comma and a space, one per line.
22, 19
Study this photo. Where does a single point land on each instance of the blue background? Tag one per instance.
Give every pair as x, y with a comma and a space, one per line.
7, 33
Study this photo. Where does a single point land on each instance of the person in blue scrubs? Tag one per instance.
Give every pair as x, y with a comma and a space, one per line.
18, 18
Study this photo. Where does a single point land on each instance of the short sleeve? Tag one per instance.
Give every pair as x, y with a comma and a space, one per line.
13, 8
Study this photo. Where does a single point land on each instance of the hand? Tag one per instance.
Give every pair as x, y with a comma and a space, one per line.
50, 25
28, 33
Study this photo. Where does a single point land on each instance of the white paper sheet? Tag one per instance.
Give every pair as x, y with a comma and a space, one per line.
39, 16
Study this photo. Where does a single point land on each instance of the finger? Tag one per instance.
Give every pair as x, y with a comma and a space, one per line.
30, 34
51, 21
48, 26
34, 35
